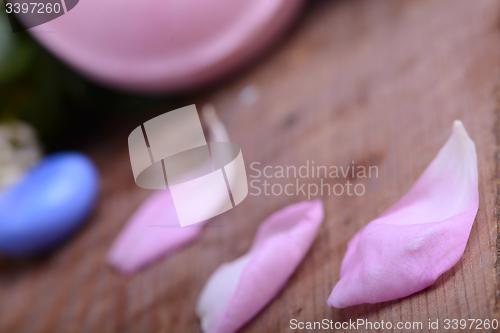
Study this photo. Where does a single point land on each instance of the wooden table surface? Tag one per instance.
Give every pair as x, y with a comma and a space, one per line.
375, 82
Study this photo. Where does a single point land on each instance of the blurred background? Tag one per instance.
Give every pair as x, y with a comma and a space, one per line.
38, 88
334, 81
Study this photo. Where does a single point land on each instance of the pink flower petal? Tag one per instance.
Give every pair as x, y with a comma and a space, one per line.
419, 238
238, 290
154, 230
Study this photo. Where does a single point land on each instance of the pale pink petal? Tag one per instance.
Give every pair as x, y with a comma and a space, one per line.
238, 290
154, 229
419, 238
152, 232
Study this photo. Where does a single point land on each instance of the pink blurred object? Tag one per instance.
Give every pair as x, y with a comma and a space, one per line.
159, 46
419, 238
151, 233
238, 290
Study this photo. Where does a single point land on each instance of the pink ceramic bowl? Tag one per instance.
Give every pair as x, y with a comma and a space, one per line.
164, 45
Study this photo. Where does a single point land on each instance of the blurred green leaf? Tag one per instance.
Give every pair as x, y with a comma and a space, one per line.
6, 39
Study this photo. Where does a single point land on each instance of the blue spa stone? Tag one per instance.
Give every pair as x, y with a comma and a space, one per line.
48, 205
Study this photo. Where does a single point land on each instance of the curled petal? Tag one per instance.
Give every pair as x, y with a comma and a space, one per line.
238, 290
420, 237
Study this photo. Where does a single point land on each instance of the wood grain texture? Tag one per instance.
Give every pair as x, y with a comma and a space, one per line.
375, 82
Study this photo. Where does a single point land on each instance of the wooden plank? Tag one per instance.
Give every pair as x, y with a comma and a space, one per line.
377, 82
